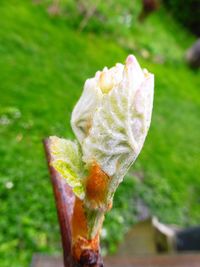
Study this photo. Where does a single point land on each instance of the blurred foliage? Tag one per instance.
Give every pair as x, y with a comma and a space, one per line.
119, 21
95, 16
187, 12
44, 62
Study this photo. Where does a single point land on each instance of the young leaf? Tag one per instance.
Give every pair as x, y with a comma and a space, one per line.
66, 159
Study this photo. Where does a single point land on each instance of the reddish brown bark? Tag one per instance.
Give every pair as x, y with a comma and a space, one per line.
89, 254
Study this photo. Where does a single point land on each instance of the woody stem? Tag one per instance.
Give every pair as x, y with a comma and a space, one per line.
68, 214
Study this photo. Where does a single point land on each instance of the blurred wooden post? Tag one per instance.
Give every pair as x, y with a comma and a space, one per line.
65, 199
193, 55
148, 7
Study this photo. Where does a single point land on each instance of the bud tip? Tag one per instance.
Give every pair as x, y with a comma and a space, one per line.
130, 59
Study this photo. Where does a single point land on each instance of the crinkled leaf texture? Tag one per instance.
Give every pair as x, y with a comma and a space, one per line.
119, 127
83, 112
67, 160
111, 121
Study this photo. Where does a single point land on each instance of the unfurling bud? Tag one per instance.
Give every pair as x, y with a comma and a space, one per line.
110, 121
112, 118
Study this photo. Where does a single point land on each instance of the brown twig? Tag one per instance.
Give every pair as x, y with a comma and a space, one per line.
65, 200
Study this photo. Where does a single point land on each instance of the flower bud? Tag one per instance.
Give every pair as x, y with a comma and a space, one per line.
112, 118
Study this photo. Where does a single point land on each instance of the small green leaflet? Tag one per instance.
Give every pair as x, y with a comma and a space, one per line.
67, 160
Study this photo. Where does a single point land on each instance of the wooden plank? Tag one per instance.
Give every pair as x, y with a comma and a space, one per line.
190, 260
178, 260
47, 261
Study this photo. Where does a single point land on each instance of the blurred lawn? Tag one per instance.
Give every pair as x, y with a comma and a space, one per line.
43, 65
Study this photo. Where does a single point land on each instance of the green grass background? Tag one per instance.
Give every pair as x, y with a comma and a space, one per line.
44, 62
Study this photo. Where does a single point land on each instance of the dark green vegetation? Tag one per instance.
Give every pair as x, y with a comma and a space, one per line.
43, 65
187, 12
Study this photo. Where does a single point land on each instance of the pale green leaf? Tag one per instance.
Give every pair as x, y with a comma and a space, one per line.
67, 160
